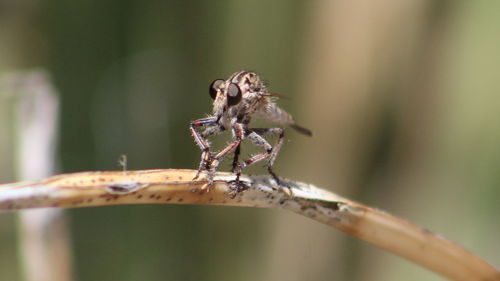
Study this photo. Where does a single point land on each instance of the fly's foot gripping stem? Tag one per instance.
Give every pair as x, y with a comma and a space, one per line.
237, 187
285, 187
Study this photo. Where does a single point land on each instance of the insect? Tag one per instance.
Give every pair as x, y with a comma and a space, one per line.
235, 101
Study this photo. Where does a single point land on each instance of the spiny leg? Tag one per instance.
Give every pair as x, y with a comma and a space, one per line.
238, 186
202, 142
272, 153
207, 155
236, 157
258, 140
239, 134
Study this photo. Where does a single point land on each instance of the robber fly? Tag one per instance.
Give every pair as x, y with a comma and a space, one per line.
235, 101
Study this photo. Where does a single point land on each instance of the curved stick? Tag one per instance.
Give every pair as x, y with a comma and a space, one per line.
173, 186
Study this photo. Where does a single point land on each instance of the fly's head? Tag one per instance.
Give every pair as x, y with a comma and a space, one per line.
225, 95
230, 93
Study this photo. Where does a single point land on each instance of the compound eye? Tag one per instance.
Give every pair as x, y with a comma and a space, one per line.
233, 94
214, 87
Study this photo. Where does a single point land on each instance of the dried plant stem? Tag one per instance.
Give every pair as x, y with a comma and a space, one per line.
173, 186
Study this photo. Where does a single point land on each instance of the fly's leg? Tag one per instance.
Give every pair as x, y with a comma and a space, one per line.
202, 142
239, 134
238, 186
281, 138
206, 156
237, 152
271, 152
258, 140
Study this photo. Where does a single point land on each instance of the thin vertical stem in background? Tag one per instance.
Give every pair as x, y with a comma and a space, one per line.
43, 243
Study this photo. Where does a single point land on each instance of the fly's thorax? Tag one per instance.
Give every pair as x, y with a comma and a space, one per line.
247, 81
250, 103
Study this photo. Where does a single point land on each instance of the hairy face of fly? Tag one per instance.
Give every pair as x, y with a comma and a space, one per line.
225, 94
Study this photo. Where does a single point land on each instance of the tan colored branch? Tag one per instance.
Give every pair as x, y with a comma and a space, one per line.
174, 186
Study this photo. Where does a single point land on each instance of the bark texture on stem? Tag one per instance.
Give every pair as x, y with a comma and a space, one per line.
174, 186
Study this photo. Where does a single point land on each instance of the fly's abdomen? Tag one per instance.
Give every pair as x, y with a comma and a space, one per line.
275, 114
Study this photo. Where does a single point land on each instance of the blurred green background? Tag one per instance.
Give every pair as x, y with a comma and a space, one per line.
403, 98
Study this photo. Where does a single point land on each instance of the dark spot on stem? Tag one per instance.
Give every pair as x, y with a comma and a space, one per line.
117, 188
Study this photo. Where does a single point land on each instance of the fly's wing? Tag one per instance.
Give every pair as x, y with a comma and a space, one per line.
277, 96
302, 130
270, 111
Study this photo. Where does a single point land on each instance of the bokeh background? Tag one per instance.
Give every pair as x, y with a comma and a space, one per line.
403, 98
